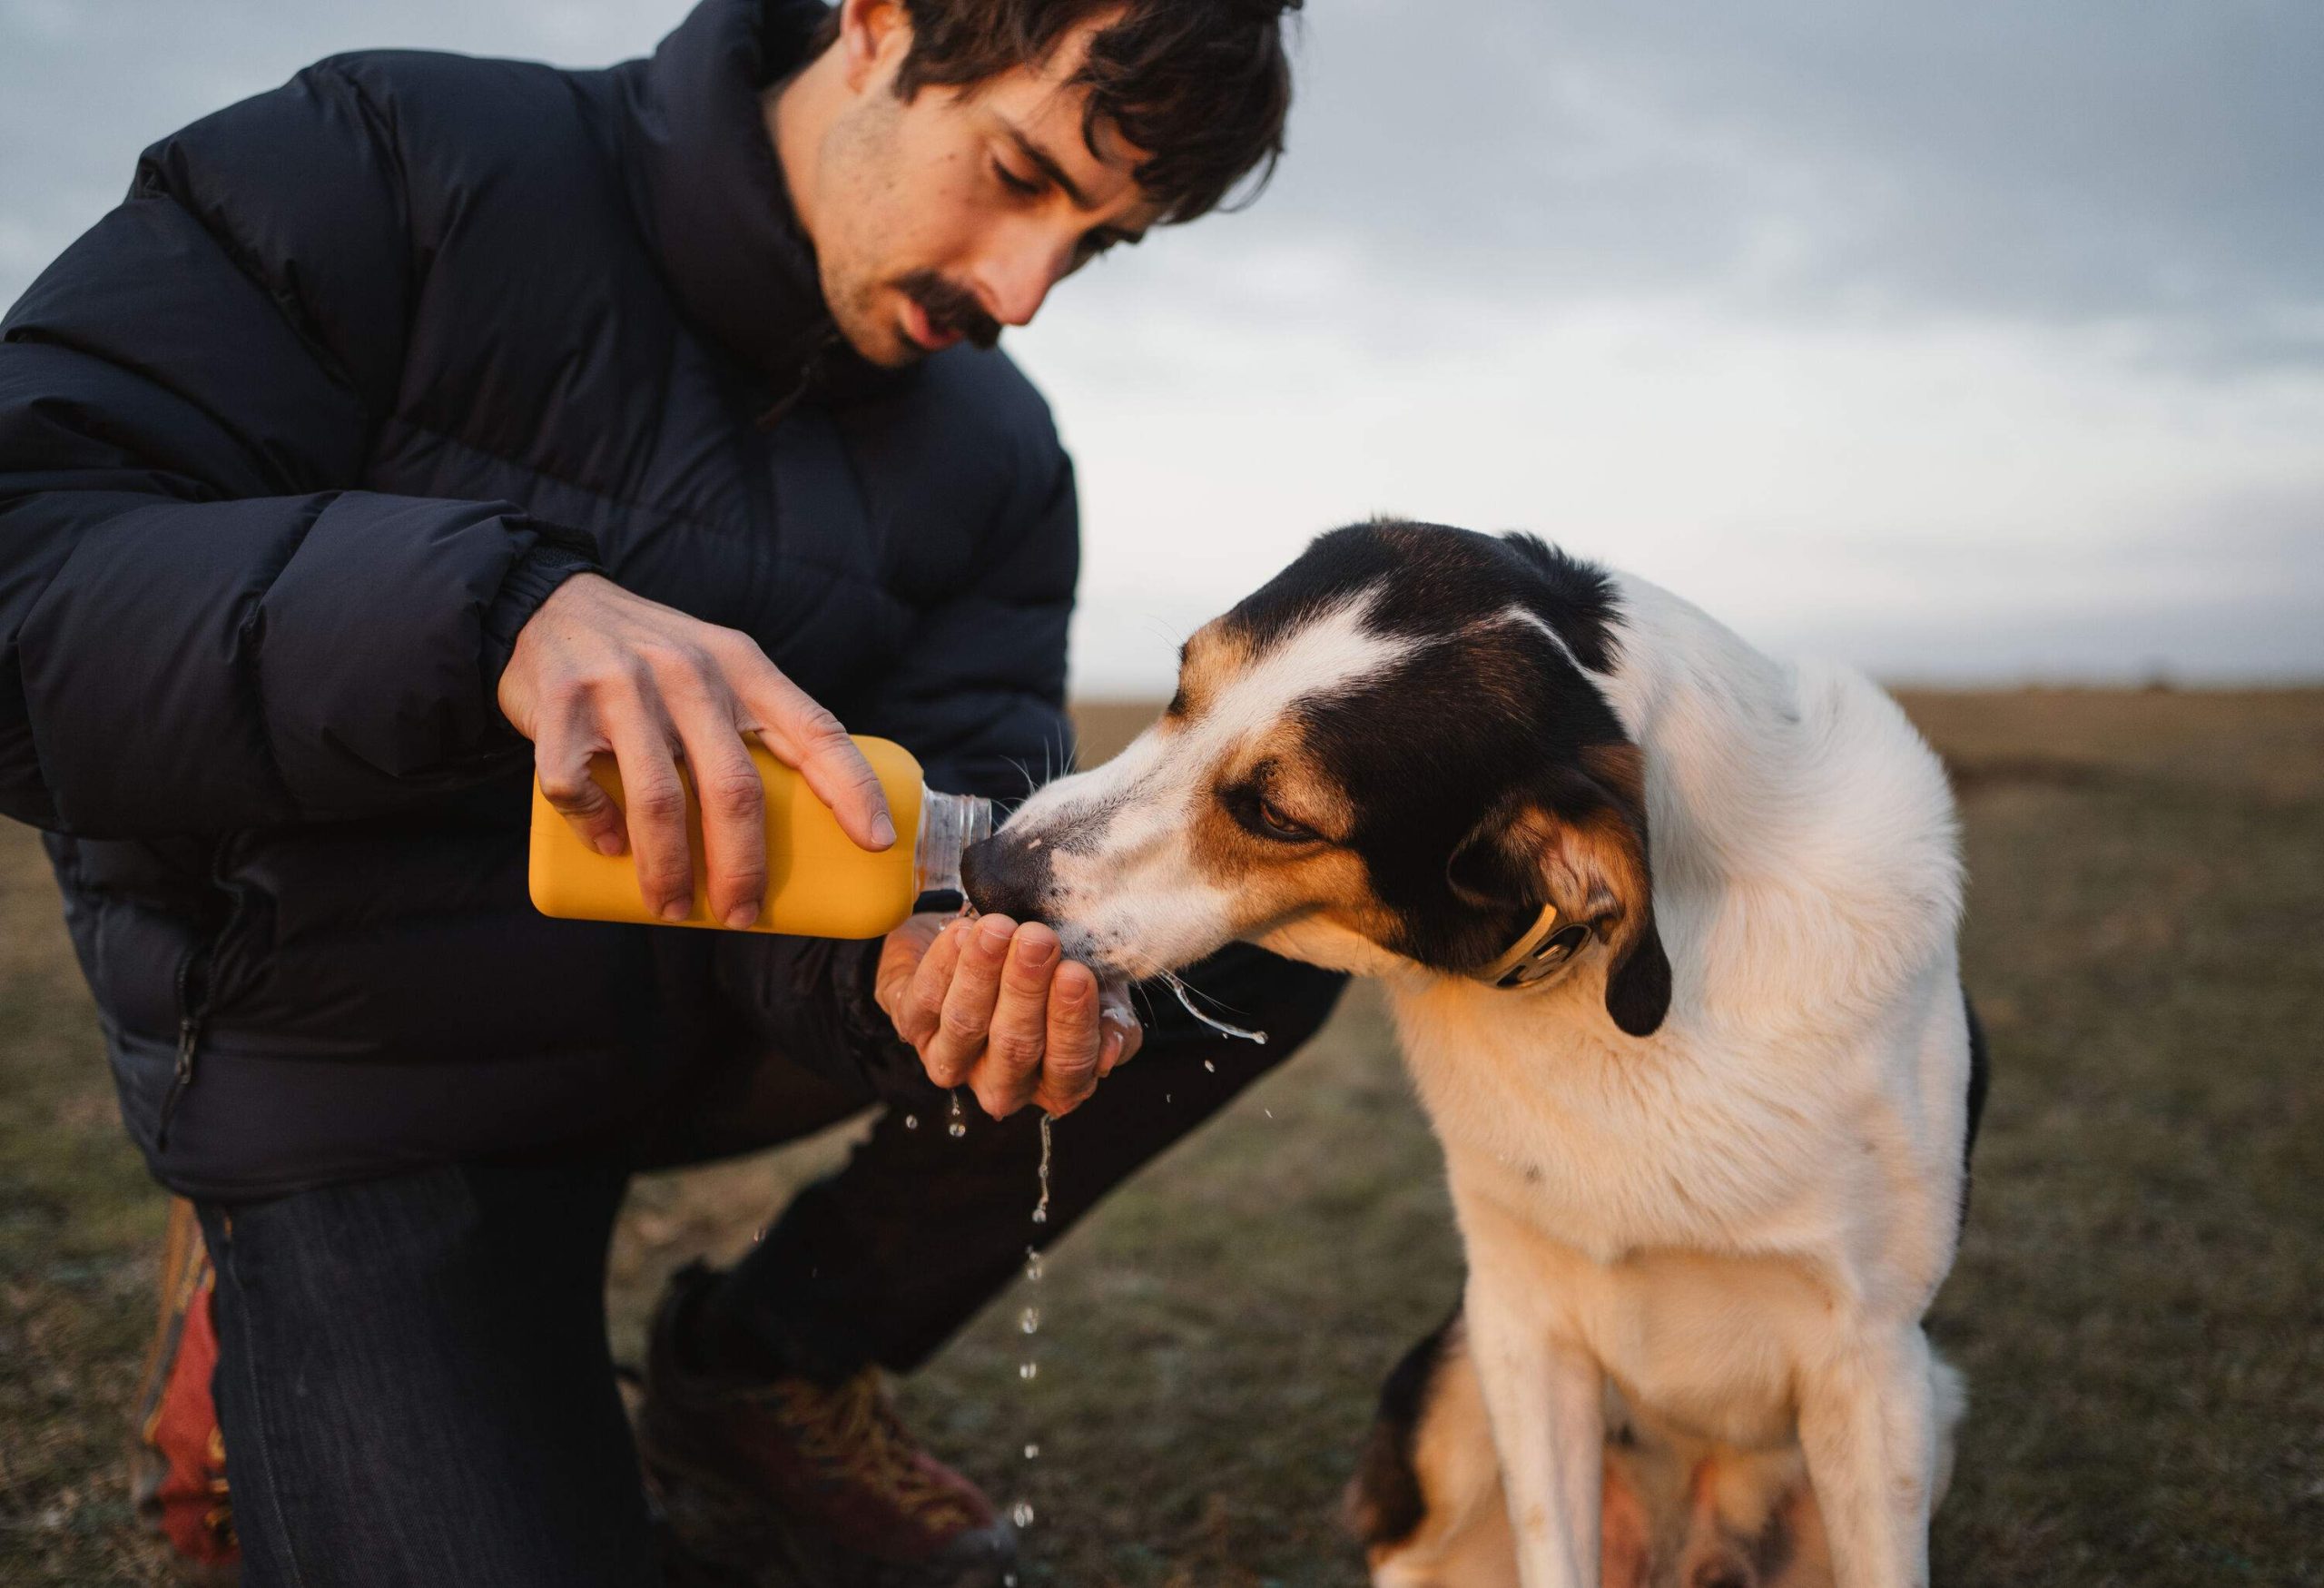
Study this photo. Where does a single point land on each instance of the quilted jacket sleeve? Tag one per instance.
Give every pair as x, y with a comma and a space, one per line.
203, 626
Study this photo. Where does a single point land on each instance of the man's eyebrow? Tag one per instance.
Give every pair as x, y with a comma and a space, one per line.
1046, 164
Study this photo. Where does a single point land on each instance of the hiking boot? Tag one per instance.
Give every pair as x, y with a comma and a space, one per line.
784, 1483
177, 1457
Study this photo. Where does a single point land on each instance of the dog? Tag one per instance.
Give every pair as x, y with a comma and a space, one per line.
1668, 931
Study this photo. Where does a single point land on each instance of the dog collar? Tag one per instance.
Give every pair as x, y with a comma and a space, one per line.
1539, 952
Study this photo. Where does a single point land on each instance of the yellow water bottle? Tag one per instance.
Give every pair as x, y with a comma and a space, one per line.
818, 883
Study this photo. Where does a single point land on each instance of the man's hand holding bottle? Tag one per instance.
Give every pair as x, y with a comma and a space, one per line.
991, 1004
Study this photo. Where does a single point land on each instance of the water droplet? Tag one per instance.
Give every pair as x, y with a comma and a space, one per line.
1031, 1452
1268, 1112
912, 1121
1166, 1097
1213, 1021
957, 1126
1031, 1322
1021, 1514
1032, 1265
1041, 1209
1028, 1370
1211, 1065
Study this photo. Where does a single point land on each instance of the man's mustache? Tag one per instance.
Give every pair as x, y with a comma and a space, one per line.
949, 307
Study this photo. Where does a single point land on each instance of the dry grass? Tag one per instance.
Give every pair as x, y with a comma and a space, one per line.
2140, 1305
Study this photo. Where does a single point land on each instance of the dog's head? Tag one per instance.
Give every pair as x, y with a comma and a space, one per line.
1392, 754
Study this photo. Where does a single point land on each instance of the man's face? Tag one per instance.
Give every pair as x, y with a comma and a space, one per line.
948, 217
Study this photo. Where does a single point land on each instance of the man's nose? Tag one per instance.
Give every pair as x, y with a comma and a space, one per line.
1015, 281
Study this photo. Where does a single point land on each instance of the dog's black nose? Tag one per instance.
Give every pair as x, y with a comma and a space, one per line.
1005, 877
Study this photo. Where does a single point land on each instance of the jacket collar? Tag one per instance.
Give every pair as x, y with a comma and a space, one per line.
707, 185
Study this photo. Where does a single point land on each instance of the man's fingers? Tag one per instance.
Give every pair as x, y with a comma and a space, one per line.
951, 1054
920, 1011
804, 735
900, 956
572, 792
654, 807
733, 810
1011, 1070
1120, 1034
1071, 1066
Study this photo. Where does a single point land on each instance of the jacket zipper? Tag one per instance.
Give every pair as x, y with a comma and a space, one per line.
188, 1038
191, 1013
810, 367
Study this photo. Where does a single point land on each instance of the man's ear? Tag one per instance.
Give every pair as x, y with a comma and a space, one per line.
1581, 845
870, 32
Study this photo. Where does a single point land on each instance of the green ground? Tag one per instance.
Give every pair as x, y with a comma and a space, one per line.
2140, 1305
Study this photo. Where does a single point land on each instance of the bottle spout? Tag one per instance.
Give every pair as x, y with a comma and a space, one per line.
949, 824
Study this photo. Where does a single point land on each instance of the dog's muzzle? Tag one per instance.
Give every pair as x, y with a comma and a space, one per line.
1008, 876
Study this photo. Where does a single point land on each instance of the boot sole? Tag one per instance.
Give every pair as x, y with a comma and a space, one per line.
737, 1535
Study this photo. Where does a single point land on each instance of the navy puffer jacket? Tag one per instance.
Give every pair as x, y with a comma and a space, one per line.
295, 440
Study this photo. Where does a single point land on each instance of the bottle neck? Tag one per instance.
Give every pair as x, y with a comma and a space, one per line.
949, 823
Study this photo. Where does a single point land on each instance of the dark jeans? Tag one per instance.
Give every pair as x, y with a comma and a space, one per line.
413, 1377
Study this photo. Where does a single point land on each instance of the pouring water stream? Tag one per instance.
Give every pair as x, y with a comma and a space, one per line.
1021, 1514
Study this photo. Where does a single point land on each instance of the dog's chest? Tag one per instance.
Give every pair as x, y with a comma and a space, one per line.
1613, 1153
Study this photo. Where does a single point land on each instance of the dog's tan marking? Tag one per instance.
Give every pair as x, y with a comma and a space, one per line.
1214, 657
1593, 867
1274, 883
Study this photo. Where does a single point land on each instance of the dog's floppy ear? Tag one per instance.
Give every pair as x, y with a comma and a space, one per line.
1581, 845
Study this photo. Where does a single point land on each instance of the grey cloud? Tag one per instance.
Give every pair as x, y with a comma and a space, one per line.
85, 85
2072, 161
2211, 642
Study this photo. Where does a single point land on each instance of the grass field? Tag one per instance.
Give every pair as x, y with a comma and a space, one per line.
2139, 1305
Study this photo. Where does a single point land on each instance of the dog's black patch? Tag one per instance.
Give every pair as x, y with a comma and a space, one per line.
1577, 600
1490, 718
1772, 1551
1385, 1502
1429, 578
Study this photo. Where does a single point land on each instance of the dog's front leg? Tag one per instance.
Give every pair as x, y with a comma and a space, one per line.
1867, 1425
1545, 1399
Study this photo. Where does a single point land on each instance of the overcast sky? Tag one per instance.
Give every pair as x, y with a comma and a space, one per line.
1968, 342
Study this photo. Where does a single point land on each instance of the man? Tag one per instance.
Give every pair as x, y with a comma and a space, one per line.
430, 420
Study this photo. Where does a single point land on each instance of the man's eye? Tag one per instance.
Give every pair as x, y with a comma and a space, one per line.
1014, 182
1279, 825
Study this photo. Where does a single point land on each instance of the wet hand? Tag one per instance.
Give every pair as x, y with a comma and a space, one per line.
997, 1007
597, 669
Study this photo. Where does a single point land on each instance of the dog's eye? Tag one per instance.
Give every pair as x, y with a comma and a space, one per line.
1278, 826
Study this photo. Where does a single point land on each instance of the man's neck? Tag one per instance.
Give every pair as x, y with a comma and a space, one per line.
797, 112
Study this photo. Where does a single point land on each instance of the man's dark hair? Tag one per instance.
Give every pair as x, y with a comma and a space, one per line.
1203, 86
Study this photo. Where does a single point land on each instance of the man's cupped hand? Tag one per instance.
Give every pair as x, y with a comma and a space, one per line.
994, 1005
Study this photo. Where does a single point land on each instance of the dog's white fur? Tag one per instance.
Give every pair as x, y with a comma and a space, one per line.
1740, 1219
